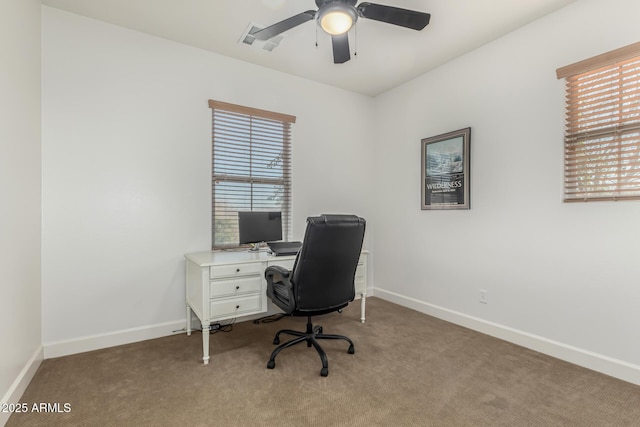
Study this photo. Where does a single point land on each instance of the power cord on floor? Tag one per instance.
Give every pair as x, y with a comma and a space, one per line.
214, 328
269, 319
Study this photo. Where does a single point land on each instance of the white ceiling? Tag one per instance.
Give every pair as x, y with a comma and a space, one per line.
387, 55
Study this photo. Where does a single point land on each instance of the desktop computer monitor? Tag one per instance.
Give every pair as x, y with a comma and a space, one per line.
256, 227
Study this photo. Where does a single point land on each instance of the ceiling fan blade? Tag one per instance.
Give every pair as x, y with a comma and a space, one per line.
394, 15
341, 52
282, 26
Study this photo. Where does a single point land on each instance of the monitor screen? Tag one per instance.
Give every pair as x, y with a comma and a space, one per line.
256, 227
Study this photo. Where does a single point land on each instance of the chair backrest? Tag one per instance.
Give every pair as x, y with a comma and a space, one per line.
324, 270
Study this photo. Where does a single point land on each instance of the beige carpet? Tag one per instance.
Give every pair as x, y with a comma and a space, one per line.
409, 369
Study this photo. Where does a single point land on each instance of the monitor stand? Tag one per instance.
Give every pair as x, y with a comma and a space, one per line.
255, 247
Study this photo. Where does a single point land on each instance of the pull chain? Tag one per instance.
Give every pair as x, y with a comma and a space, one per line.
355, 40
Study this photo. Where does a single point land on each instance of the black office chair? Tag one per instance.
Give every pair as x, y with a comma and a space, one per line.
321, 281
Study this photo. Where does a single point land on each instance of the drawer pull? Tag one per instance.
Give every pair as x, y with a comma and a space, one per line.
237, 287
237, 307
237, 270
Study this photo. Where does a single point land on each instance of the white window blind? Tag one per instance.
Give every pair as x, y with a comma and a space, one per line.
251, 167
602, 135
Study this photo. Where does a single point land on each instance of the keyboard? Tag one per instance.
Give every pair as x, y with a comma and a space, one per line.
284, 248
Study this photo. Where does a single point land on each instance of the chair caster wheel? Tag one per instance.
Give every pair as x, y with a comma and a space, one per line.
351, 350
320, 330
324, 372
276, 341
271, 364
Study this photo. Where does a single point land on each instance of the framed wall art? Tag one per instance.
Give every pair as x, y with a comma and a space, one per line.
445, 170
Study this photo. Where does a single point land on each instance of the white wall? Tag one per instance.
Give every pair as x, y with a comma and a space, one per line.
20, 196
562, 278
126, 134
126, 171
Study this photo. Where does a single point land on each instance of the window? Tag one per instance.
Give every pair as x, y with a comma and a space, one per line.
251, 168
602, 136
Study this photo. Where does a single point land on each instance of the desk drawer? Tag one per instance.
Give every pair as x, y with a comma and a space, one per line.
235, 286
232, 270
232, 307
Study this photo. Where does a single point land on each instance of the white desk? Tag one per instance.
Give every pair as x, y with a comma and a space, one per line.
226, 285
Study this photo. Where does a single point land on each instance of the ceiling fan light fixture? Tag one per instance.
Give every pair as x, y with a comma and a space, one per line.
336, 19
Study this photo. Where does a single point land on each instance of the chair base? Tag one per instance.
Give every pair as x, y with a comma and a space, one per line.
312, 334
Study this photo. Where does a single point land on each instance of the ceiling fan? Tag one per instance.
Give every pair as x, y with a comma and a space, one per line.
336, 17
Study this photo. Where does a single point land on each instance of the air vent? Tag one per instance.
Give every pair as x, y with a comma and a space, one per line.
268, 45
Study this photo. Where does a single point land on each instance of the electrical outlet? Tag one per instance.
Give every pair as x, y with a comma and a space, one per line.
483, 296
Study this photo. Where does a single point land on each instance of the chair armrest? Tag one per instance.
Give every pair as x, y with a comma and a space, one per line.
276, 269
280, 288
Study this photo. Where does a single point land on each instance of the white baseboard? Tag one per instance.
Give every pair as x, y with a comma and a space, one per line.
18, 387
111, 339
613, 367
609, 366
127, 336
